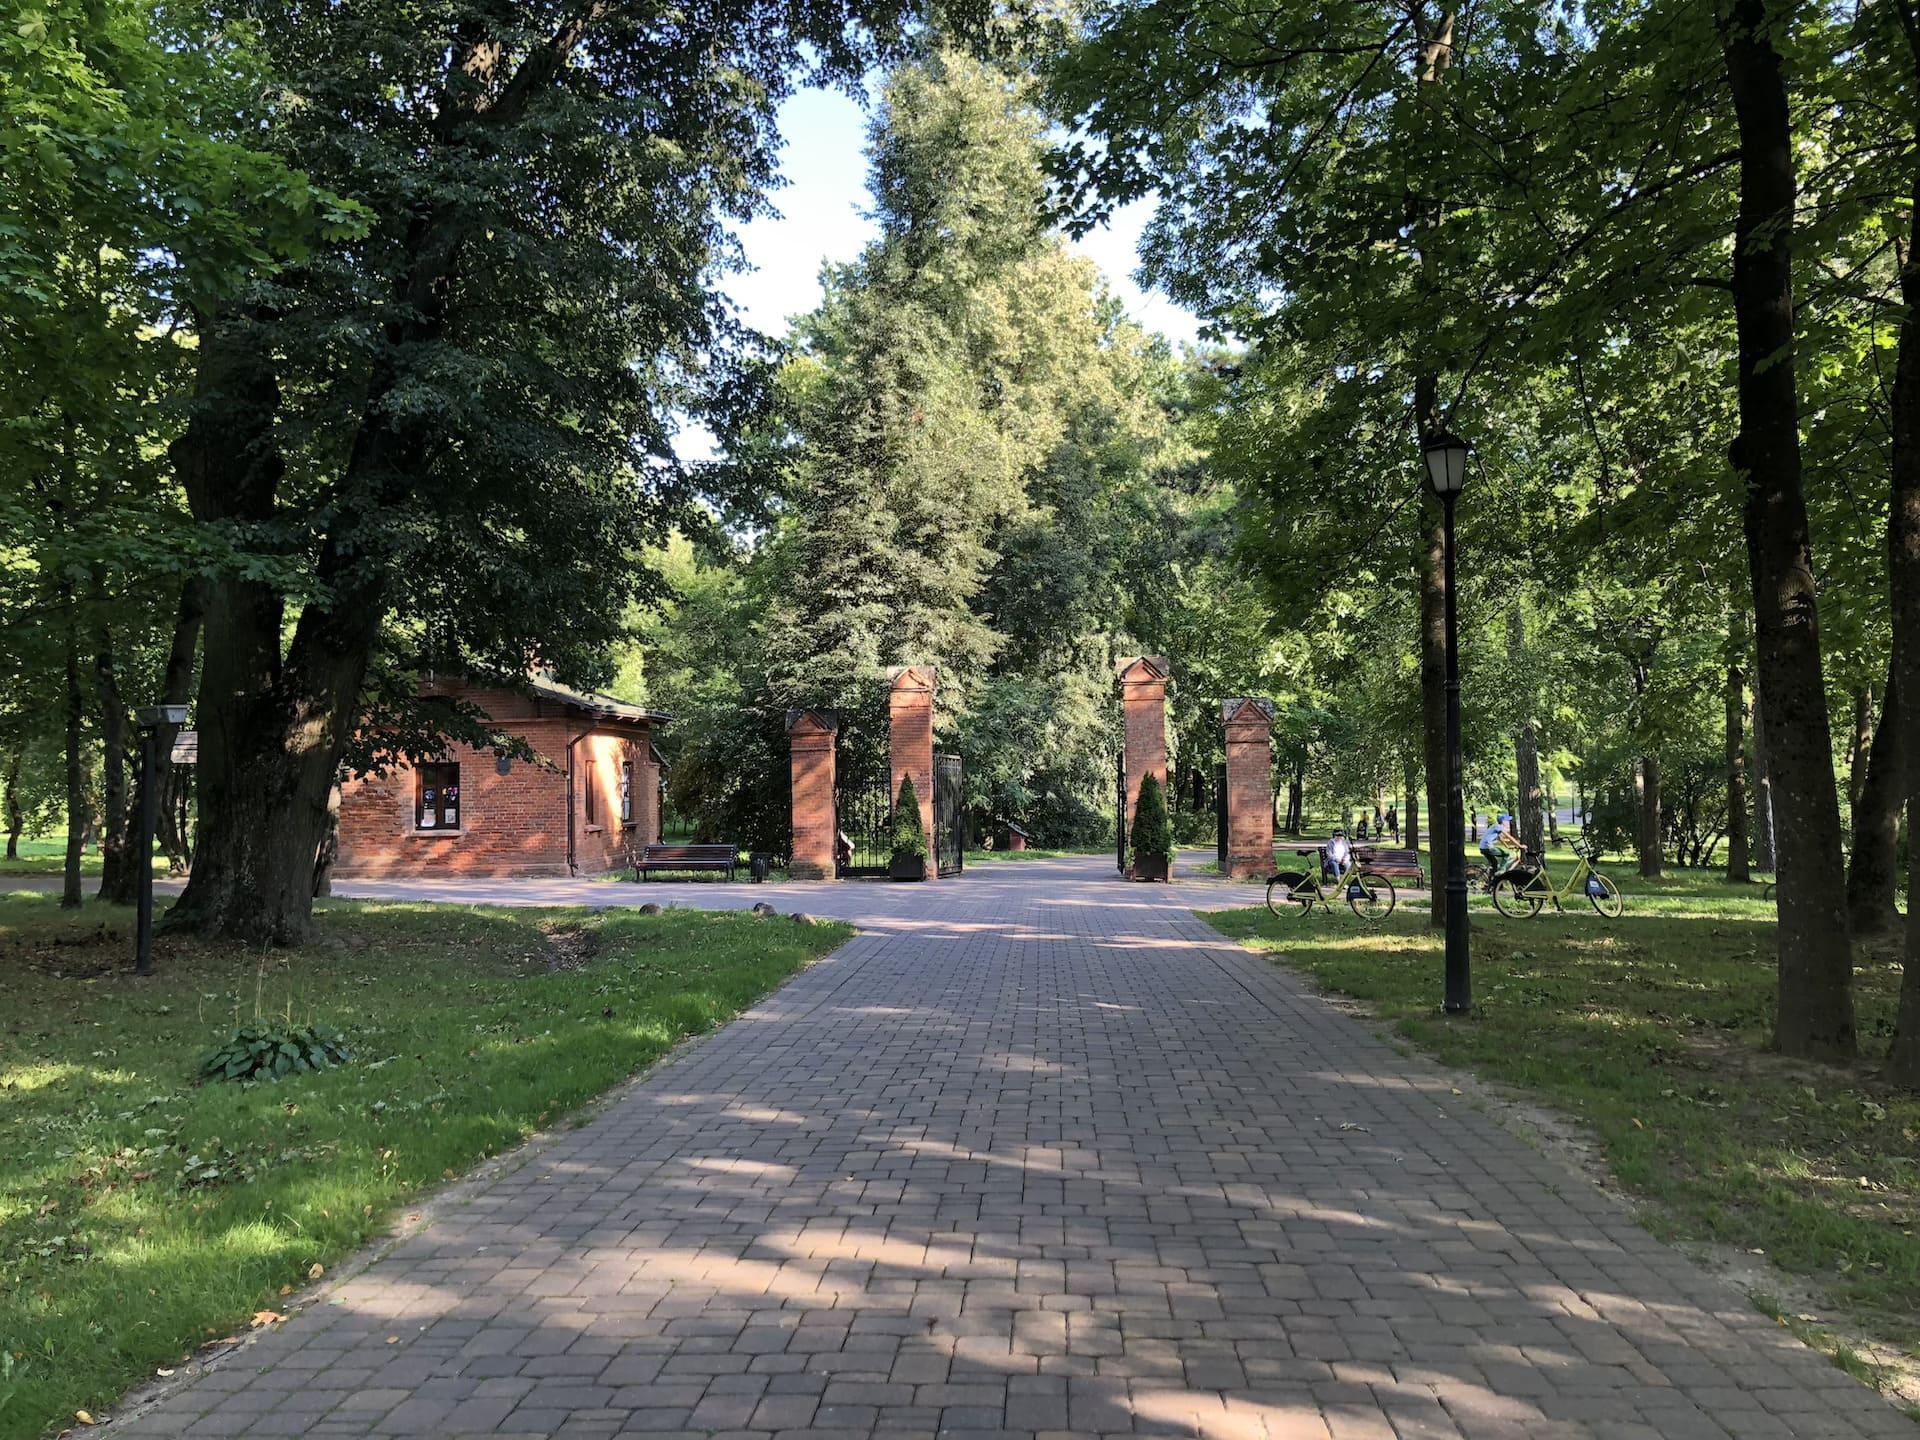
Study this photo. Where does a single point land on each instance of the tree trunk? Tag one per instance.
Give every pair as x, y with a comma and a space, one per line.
1296, 800
1553, 814
1902, 720
271, 730
1646, 794
1738, 871
1526, 745
1859, 743
1763, 853
1873, 872
1410, 818
329, 845
1815, 1009
78, 816
176, 688
116, 842
1433, 709
16, 815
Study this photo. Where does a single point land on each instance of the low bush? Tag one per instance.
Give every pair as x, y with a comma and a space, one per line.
1152, 830
260, 1052
909, 835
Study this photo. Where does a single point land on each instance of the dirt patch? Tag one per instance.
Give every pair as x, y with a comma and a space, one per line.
570, 946
81, 955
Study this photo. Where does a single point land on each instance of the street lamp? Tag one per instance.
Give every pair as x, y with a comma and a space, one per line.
150, 719
1446, 458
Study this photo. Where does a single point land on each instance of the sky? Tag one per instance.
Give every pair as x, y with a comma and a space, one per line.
821, 218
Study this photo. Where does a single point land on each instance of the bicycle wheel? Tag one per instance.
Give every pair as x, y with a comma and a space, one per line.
1370, 896
1514, 896
1608, 901
1288, 893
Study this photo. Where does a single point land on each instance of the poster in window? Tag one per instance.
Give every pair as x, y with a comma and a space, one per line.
427, 793
450, 802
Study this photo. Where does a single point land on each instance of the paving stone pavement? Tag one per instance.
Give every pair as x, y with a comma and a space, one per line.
1038, 1154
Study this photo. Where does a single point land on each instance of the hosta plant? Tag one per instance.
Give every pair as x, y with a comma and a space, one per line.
262, 1052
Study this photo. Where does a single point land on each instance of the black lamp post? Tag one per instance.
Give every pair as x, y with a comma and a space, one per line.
150, 718
1446, 457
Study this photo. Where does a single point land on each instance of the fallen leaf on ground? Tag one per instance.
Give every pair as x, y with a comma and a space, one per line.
266, 1317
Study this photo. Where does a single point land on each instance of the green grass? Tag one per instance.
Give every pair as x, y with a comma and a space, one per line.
472, 1028
1652, 1030
986, 856
48, 856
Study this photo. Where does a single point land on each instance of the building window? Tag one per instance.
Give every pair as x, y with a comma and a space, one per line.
436, 797
626, 792
593, 797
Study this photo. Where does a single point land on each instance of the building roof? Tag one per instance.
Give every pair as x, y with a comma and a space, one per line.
604, 706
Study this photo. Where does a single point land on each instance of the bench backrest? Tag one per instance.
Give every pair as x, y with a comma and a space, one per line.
688, 852
1389, 857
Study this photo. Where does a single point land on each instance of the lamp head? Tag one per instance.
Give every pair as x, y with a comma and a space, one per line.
1446, 457
152, 717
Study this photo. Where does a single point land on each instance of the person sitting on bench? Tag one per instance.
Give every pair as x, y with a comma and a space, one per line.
1337, 856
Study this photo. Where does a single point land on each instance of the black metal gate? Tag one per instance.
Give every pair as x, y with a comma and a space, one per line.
1220, 814
863, 825
1120, 812
949, 816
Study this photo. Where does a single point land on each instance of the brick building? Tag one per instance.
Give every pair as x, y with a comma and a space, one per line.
583, 811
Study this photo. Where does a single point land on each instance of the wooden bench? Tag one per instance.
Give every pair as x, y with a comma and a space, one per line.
686, 857
1394, 864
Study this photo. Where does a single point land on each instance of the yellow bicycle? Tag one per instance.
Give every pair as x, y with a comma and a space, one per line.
1521, 891
1296, 892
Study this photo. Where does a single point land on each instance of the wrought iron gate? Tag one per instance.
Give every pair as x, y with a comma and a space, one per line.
949, 816
1120, 811
1220, 814
863, 820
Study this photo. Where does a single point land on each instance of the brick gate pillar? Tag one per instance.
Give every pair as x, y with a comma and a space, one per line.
1143, 706
811, 736
910, 728
1249, 734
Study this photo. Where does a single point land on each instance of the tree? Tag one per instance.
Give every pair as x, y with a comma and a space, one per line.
484, 457
1152, 837
909, 834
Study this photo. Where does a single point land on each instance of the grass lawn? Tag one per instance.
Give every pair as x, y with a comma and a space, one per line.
48, 856
985, 856
1650, 1029
143, 1214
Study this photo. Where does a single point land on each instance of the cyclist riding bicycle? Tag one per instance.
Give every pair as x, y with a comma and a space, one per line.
1501, 846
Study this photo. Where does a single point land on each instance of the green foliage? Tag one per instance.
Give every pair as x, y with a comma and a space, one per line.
966, 394
1152, 837
908, 834
266, 1052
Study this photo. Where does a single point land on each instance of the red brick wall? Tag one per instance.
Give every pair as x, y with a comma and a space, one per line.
512, 824
604, 843
1143, 704
811, 736
910, 729
1249, 739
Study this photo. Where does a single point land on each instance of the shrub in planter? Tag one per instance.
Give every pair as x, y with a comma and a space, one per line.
264, 1052
909, 861
1152, 832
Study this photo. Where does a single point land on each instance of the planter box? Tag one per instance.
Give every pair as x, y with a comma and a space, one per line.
903, 867
1150, 867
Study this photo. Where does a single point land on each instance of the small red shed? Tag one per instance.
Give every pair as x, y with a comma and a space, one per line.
584, 810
